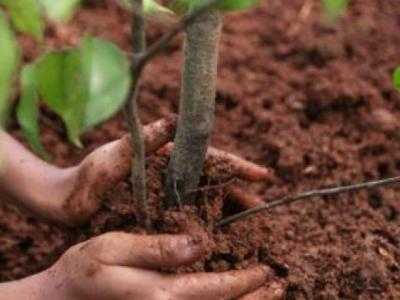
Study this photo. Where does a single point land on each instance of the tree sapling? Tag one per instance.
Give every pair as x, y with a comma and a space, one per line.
197, 102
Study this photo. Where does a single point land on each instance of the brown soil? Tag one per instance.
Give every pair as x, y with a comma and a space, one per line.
317, 106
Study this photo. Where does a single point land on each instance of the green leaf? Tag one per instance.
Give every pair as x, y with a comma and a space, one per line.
396, 78
107, 72
62, 86
154, 10
152, 7
232, 5
334, 8
85, 85
126, 3
9, 59
60, 10
182, 6
26, 16
28, 110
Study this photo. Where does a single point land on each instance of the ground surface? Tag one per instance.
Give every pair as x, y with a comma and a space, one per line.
311, 101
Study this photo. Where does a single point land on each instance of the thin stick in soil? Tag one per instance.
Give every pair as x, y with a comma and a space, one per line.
138, 178
306, 195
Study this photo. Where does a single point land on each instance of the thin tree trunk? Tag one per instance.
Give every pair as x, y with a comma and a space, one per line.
197, 105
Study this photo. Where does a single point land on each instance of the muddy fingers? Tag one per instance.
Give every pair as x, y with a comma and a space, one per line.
69, 196
272, 291
159, 133
108, 165
242, 168
113, 160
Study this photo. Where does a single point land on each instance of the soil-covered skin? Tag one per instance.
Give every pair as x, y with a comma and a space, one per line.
315, 103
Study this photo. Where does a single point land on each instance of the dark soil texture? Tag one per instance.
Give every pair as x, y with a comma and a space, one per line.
314, 103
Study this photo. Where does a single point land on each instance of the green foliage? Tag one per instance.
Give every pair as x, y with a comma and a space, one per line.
334, 8
151, 8
232, 5
26, 16
106, 69
84, 86
396, 78
28, 110
61, 85
9, 59
182, 6
59, 10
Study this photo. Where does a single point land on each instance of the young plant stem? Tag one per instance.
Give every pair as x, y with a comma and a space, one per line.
307, 195
139, 60
188, 19
197, 105
138, 174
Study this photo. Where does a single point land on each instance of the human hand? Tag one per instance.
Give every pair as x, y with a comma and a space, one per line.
70, 196
122, 266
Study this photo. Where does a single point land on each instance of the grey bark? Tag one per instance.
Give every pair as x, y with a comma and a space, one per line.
197, 105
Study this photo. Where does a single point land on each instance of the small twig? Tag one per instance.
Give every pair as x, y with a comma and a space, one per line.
313, 193
212, 187
132, 115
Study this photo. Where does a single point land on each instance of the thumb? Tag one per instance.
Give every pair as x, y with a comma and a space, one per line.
144, 251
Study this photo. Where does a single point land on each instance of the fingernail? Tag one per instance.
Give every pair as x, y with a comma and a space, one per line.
195, 245
265, 269
194, 240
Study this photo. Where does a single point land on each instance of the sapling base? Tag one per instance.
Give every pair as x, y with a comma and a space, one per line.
239, 167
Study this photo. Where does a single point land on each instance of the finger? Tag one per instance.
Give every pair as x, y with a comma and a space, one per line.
112, 282
274, 291
243, 198
244, 169
159, 133
145, 251
113, 159
106, 166
227, 285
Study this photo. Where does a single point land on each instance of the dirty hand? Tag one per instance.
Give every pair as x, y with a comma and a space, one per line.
121, 266
70, 196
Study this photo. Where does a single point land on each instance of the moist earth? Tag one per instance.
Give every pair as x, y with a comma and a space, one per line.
310, 99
